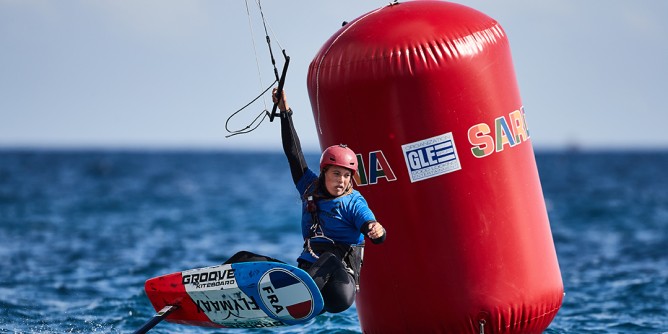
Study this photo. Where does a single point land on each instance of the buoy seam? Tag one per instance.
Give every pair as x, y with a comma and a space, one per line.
554, 310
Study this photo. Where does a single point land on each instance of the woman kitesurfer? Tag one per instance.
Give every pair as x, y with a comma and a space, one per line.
335, 217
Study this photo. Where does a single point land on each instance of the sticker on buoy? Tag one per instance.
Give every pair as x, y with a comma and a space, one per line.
431, 157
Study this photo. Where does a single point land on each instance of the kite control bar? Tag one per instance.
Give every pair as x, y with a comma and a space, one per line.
279, 91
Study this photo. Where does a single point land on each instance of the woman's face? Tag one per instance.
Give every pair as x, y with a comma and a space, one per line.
337, 180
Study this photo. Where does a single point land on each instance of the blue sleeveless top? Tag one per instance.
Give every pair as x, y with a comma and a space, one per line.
341, 218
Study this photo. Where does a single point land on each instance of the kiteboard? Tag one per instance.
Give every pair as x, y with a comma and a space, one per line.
237, 295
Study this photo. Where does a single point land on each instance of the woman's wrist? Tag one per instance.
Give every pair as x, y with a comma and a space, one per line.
285, 113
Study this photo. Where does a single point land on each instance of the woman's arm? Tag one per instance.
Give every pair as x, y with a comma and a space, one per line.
375, 231
291, 144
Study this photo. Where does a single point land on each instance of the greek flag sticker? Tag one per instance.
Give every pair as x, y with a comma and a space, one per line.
431, 157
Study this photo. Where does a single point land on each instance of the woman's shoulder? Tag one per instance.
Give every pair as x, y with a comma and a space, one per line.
306, 180
355, 194
356, 205
354, 197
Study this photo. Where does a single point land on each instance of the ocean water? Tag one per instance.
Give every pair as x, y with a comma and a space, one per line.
80, 232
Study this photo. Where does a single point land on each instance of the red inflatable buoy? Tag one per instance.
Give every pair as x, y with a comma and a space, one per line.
426, 95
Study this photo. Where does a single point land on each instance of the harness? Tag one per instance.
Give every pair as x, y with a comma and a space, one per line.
350, 255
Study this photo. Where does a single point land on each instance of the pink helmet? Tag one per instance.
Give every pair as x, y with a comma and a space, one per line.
339, 155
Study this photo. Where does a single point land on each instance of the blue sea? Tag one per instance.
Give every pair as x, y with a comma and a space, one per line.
80, 232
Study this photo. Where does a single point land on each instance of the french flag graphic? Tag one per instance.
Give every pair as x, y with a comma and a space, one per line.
285, 295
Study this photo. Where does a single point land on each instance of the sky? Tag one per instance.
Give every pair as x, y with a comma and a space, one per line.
167, 74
